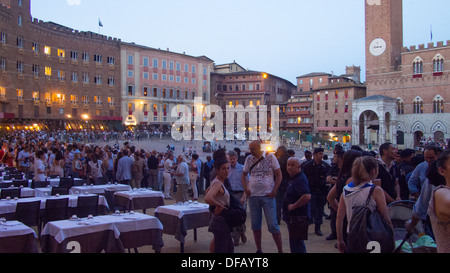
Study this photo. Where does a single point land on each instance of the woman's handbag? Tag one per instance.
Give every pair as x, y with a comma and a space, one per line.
366, 227
193, 176
235, 215
298, 227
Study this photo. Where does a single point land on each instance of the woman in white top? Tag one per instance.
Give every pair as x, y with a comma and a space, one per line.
219, 197
57, 165
40, 171
95, 168
365, 169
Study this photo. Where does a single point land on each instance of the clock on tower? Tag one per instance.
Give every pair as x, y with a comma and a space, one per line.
384, 35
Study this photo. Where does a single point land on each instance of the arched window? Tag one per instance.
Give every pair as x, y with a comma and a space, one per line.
418, 66
438, 105
418, 106
400, 107
438, 63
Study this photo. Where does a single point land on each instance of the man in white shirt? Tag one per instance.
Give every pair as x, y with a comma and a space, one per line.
24, 160
167, 176
182, 178
261, 188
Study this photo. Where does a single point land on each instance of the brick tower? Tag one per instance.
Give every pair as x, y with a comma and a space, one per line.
384, 36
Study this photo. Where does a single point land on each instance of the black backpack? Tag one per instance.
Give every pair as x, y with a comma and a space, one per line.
366, 227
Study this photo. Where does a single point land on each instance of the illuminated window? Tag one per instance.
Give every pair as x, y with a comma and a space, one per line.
61, 74
111, 101
61, 53
35, 47
35, 96
19, 93
98, 100
2, 92
48, 71
47, 50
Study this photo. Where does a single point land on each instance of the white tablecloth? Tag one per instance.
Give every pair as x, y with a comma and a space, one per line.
15, 228
139, 194
99, 189
9, 206
121, 223
26, 192
43, 192
181, 210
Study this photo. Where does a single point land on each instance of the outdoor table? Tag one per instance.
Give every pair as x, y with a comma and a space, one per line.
178, 219
15, 237
43, 192
99, 189
8, 207
139, 199
10, 181
25, 192
109, 233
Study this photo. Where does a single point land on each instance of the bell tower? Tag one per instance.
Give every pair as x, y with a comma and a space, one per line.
384, 36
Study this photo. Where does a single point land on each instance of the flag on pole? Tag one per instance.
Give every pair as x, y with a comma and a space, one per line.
100, 23
431, 32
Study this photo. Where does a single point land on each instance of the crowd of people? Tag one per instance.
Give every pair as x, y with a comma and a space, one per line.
280, 185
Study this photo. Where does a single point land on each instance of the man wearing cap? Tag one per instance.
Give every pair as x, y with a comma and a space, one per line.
316, 171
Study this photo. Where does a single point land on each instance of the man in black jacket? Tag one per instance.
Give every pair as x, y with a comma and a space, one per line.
316, 171
153, 171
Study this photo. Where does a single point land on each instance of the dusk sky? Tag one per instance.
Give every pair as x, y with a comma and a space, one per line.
286, 38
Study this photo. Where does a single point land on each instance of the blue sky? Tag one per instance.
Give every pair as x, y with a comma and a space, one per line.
286, 38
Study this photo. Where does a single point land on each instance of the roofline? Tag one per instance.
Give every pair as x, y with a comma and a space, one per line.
158, 49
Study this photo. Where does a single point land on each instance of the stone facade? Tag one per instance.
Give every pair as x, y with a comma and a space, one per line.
250, 88
416, 77
154, 81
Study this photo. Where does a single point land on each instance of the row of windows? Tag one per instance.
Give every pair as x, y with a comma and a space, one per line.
165, 93
336, 95
438, 65
335, 124
418, 106
336, 107
165, 77
60, 98
237, 87
60, 53
171, 65
245, 103
61, 73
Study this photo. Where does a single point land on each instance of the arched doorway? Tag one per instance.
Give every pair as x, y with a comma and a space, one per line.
439, 136
400, 138
418, 135
369, 126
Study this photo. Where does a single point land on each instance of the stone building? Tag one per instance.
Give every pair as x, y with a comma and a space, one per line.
408, 88
322, 105
154, 81
235, 87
